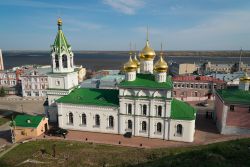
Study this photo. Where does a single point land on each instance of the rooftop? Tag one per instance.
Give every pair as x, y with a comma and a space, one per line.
88, 96
235, 96
147, 81
197, 79
182, 111
28, 120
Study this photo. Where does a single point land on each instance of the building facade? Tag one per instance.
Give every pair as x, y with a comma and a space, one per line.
27, 126
10, 81
196, 88
182, 68
35, 81
232, 109
142, 105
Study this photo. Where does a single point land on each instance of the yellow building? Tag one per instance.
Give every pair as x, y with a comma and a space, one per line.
27, 126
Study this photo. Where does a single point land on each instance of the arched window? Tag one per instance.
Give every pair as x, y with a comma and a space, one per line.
159, 112
57, 61
130, 124
129, 108
111, 121
64, 61
179, 129
144, 126
71, 118
158, 127
144, 109
97, 120
84, 120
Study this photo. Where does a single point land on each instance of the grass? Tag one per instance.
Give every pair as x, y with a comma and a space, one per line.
68, 153
3, 120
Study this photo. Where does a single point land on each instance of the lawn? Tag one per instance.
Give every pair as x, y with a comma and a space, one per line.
3, 120
68, 153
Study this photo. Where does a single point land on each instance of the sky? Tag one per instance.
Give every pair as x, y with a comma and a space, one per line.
114, 24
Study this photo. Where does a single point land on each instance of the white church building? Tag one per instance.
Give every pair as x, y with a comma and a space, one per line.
143, 104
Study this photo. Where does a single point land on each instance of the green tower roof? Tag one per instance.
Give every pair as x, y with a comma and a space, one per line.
61, 41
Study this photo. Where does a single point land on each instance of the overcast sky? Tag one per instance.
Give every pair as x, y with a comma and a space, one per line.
113, 24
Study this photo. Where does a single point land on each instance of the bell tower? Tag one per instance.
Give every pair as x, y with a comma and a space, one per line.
63, 77
61, 53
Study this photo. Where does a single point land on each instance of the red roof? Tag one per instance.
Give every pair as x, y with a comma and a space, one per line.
197, 79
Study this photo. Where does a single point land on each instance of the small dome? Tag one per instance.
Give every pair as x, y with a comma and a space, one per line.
161, 65
136, 61
130, 66
59, 22
147, 52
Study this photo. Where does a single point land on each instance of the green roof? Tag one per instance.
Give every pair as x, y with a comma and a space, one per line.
86, 96
235, 95
28, 120
147, 81
61, 41
182, 111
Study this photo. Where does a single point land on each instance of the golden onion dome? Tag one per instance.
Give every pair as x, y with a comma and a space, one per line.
245, 78
147, 52
136, 61
141, 56
59, 22
130, 66
161, 65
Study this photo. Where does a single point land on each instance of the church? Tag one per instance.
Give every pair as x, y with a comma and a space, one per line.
143, 104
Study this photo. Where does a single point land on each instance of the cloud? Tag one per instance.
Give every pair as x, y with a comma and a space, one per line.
125, 6
228, 30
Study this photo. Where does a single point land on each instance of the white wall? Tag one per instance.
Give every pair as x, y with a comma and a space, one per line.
188, 130
90, 111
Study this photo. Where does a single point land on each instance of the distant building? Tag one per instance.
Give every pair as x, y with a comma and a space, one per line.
230, 79
208, 68
196, 88
182, 69
108, 81
35, 81
232, 108
27, 126
1, 61
10, 81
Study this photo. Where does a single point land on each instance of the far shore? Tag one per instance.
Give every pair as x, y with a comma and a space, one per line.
222, 53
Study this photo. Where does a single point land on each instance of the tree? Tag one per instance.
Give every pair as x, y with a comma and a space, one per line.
2, 92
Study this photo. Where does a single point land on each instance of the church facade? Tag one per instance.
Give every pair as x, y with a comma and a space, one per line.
143, 105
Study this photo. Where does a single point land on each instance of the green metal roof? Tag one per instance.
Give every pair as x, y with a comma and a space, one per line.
182, 111
147, 81
235, 95
61, 41
28, 120
87, 96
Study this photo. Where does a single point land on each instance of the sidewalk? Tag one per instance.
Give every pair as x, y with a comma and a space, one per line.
201, 138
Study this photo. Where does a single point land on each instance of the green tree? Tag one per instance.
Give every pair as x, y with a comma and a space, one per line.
2, 92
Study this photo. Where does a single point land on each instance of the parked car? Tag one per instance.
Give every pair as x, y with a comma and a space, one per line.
55, 131
128, 134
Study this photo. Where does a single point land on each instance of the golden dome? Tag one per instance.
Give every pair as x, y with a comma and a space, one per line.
59, 22
141, 56
161, 65
130, 66
136, 61
147, 52
245, 78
